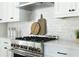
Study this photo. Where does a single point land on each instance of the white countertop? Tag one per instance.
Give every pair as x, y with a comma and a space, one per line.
65, 43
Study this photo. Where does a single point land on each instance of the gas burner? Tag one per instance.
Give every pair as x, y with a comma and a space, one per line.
37, 38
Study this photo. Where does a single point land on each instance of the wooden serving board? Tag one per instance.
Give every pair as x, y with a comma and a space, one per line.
43, 25
35, 28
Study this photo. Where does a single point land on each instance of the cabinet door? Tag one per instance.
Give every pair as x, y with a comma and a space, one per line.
6, 11
61, 51
73, 9
73, 52
55, 51
13, 11
4, 47
3, 50
3, 11
65, 9
77, 8
9, 12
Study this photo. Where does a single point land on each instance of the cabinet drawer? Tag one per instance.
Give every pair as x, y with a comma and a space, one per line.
60, 51
56, 51
73, 52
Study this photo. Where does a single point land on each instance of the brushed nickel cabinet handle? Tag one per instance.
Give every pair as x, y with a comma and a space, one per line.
5, 47
62, 53
11, 18
73, 9
70, 10
0, 19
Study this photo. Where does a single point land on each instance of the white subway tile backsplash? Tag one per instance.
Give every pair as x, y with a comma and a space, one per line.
65, 28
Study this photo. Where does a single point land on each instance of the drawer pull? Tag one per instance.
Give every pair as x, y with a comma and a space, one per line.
70, 10
5, 47
11, 18
0, 19
62, 53
73, 9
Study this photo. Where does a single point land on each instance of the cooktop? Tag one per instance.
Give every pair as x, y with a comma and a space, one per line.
37, 38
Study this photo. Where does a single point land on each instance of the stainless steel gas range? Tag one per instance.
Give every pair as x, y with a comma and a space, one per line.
30, 46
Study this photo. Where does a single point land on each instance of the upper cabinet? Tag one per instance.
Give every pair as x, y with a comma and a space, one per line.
12, 11
20, 11
23, 11
3, 11
8, 12
66, 9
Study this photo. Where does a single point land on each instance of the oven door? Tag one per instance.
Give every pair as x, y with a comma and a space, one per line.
21, 53
17, 55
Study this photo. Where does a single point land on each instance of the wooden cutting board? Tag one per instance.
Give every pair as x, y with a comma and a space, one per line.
43, 24
35, 28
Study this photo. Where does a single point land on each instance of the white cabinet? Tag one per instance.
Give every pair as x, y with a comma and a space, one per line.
5, 46
12, 11
2, 11
60, 51
66, 9
20, 11
55, 51
73, 52
9, 12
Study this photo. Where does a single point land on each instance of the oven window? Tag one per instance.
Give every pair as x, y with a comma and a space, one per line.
17, 55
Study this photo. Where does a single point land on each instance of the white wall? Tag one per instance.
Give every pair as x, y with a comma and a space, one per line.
65, 28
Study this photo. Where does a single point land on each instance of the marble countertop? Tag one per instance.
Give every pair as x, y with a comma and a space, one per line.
65, 43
